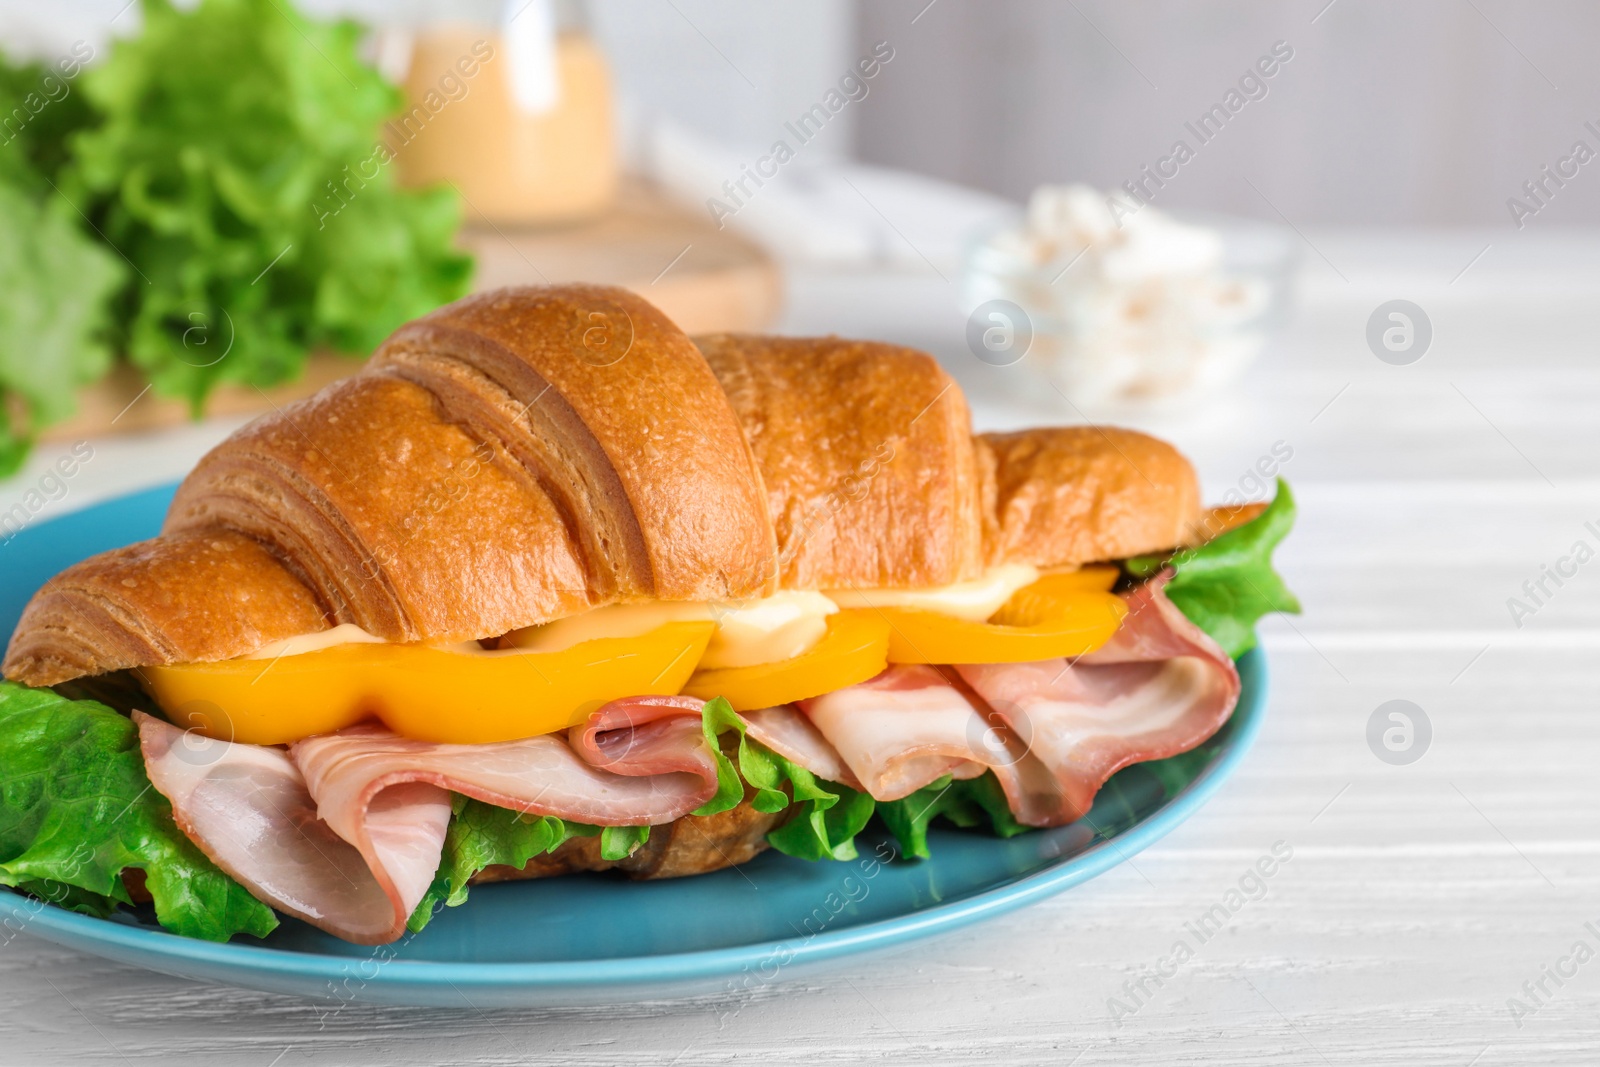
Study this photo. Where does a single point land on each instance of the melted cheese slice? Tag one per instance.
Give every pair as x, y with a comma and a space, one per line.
344, 634
777, 627
973, 600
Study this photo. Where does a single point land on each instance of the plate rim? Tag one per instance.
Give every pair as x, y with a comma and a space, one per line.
162, 947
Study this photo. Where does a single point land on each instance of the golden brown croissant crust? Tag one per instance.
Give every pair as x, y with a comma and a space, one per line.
530, 453
866, 452
1079, 494
156, 601
509, 459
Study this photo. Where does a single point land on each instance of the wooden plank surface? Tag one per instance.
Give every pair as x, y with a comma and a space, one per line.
1418, 898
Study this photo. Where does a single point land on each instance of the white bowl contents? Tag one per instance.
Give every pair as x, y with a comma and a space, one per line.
1127, 304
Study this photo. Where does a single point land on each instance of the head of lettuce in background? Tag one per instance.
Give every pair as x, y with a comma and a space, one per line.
56, 276
187, 179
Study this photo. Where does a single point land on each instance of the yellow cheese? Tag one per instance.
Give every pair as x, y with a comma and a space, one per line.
973, 600
344, 634
767, 630
422, 691
777, 627
781, 648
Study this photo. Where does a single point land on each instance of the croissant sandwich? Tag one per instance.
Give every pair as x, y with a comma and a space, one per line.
549, 587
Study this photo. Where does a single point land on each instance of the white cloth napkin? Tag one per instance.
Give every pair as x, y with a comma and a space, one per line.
819, 210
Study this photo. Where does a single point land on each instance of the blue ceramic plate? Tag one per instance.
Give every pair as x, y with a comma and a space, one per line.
593, 939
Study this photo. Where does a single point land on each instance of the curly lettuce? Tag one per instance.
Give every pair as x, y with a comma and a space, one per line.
829, 815
53, 316
40, 110
77, 811
55, 275
968, 803
237, 162
213, 202
1227, 584
480, 836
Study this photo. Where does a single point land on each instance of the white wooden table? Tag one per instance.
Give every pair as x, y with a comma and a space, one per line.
1419, 898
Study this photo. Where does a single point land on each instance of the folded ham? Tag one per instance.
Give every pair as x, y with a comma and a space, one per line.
786, 730
636, 762
910, 726
1051, 731
899, 731
345, 830
247, 807
1159, 687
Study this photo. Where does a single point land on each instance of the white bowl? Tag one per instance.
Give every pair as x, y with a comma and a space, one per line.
1157, 339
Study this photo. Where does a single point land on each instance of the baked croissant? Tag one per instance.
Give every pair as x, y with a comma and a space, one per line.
609, 460
531, 455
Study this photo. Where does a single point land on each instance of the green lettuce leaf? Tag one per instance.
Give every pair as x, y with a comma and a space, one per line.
968, 803
55, 276
34, 149
76, 809
826, 826
239, 162
1227, 584
54, 287
620, 842
830, 816
481, 835
70, 897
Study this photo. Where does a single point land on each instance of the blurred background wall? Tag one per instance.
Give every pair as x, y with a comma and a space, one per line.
1473, 97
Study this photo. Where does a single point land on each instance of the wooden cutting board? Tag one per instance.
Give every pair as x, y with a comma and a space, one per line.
705, 279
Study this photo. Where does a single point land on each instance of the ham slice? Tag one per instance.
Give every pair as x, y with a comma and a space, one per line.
786, 730
345, 830
1159, 687
636, 762
649, 735
1052, 732
899, 731
247, 808
909, 727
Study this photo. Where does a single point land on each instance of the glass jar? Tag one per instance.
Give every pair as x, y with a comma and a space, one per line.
514, 108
